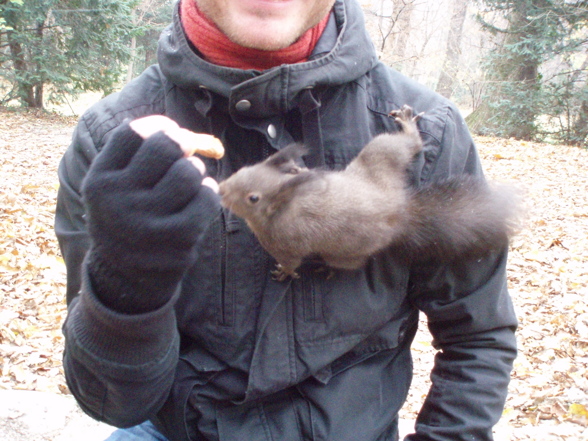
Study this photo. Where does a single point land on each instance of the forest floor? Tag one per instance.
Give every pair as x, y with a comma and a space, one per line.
548, 277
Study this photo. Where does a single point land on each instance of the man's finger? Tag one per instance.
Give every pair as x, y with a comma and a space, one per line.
150, 125
190, 142
210, 183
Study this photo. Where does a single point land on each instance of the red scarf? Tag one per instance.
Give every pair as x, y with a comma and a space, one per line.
218, 49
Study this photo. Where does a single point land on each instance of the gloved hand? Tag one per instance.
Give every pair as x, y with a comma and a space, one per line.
146, 207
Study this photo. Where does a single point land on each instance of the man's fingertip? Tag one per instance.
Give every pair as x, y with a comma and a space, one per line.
210, 183
197, 162
150, 125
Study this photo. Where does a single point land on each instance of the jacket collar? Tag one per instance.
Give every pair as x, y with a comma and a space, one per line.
275, 91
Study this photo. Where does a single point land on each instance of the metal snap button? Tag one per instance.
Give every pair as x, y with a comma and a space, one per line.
243, 105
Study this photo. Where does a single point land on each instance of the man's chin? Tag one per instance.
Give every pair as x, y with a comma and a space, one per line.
265, 37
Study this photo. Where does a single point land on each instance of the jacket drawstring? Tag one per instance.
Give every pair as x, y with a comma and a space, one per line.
311, 129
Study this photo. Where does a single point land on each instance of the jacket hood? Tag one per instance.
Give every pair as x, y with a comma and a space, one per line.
351, 56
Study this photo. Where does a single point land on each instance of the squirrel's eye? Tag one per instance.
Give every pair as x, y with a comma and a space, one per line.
253, 198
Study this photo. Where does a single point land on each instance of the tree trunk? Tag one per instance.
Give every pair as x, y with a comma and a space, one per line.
579, 135
29, 91
38, 90
514, 83
39, 83
403, 12
151, 53
131, 67
452, 53
523, 70
579, 129
25, 91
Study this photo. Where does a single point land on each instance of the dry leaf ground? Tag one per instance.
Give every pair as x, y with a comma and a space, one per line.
548, 277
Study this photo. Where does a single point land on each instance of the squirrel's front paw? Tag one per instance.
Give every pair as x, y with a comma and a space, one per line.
405, 116
280, 273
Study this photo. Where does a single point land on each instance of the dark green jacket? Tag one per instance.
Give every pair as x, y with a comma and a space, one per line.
238, 356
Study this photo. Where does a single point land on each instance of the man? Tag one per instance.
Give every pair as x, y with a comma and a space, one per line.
175, 326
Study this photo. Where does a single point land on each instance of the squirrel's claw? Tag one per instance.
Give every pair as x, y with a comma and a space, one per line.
279, 274
405, 114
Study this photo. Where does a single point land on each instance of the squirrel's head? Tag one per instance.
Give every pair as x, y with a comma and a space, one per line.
256, 192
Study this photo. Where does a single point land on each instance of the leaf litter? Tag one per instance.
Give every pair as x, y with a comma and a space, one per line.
548, 276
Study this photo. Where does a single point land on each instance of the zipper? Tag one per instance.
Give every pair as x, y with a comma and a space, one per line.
224, 295
312, 300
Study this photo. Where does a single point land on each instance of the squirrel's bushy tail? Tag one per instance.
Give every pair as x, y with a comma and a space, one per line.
460, 217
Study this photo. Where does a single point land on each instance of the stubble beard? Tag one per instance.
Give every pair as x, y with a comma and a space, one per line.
272, 38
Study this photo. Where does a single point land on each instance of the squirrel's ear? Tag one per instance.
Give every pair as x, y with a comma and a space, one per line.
286, 158
289, 188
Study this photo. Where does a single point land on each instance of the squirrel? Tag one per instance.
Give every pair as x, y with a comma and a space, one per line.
344, 217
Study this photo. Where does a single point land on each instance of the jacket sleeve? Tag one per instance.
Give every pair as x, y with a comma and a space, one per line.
119, 367
470, 316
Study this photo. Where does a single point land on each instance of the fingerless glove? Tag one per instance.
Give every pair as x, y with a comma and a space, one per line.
146, 209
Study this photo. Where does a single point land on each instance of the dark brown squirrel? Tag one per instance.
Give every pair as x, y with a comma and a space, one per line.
344, 217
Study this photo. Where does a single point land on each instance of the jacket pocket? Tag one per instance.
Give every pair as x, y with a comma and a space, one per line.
345, 319
283, 416
178, 419
346, 305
